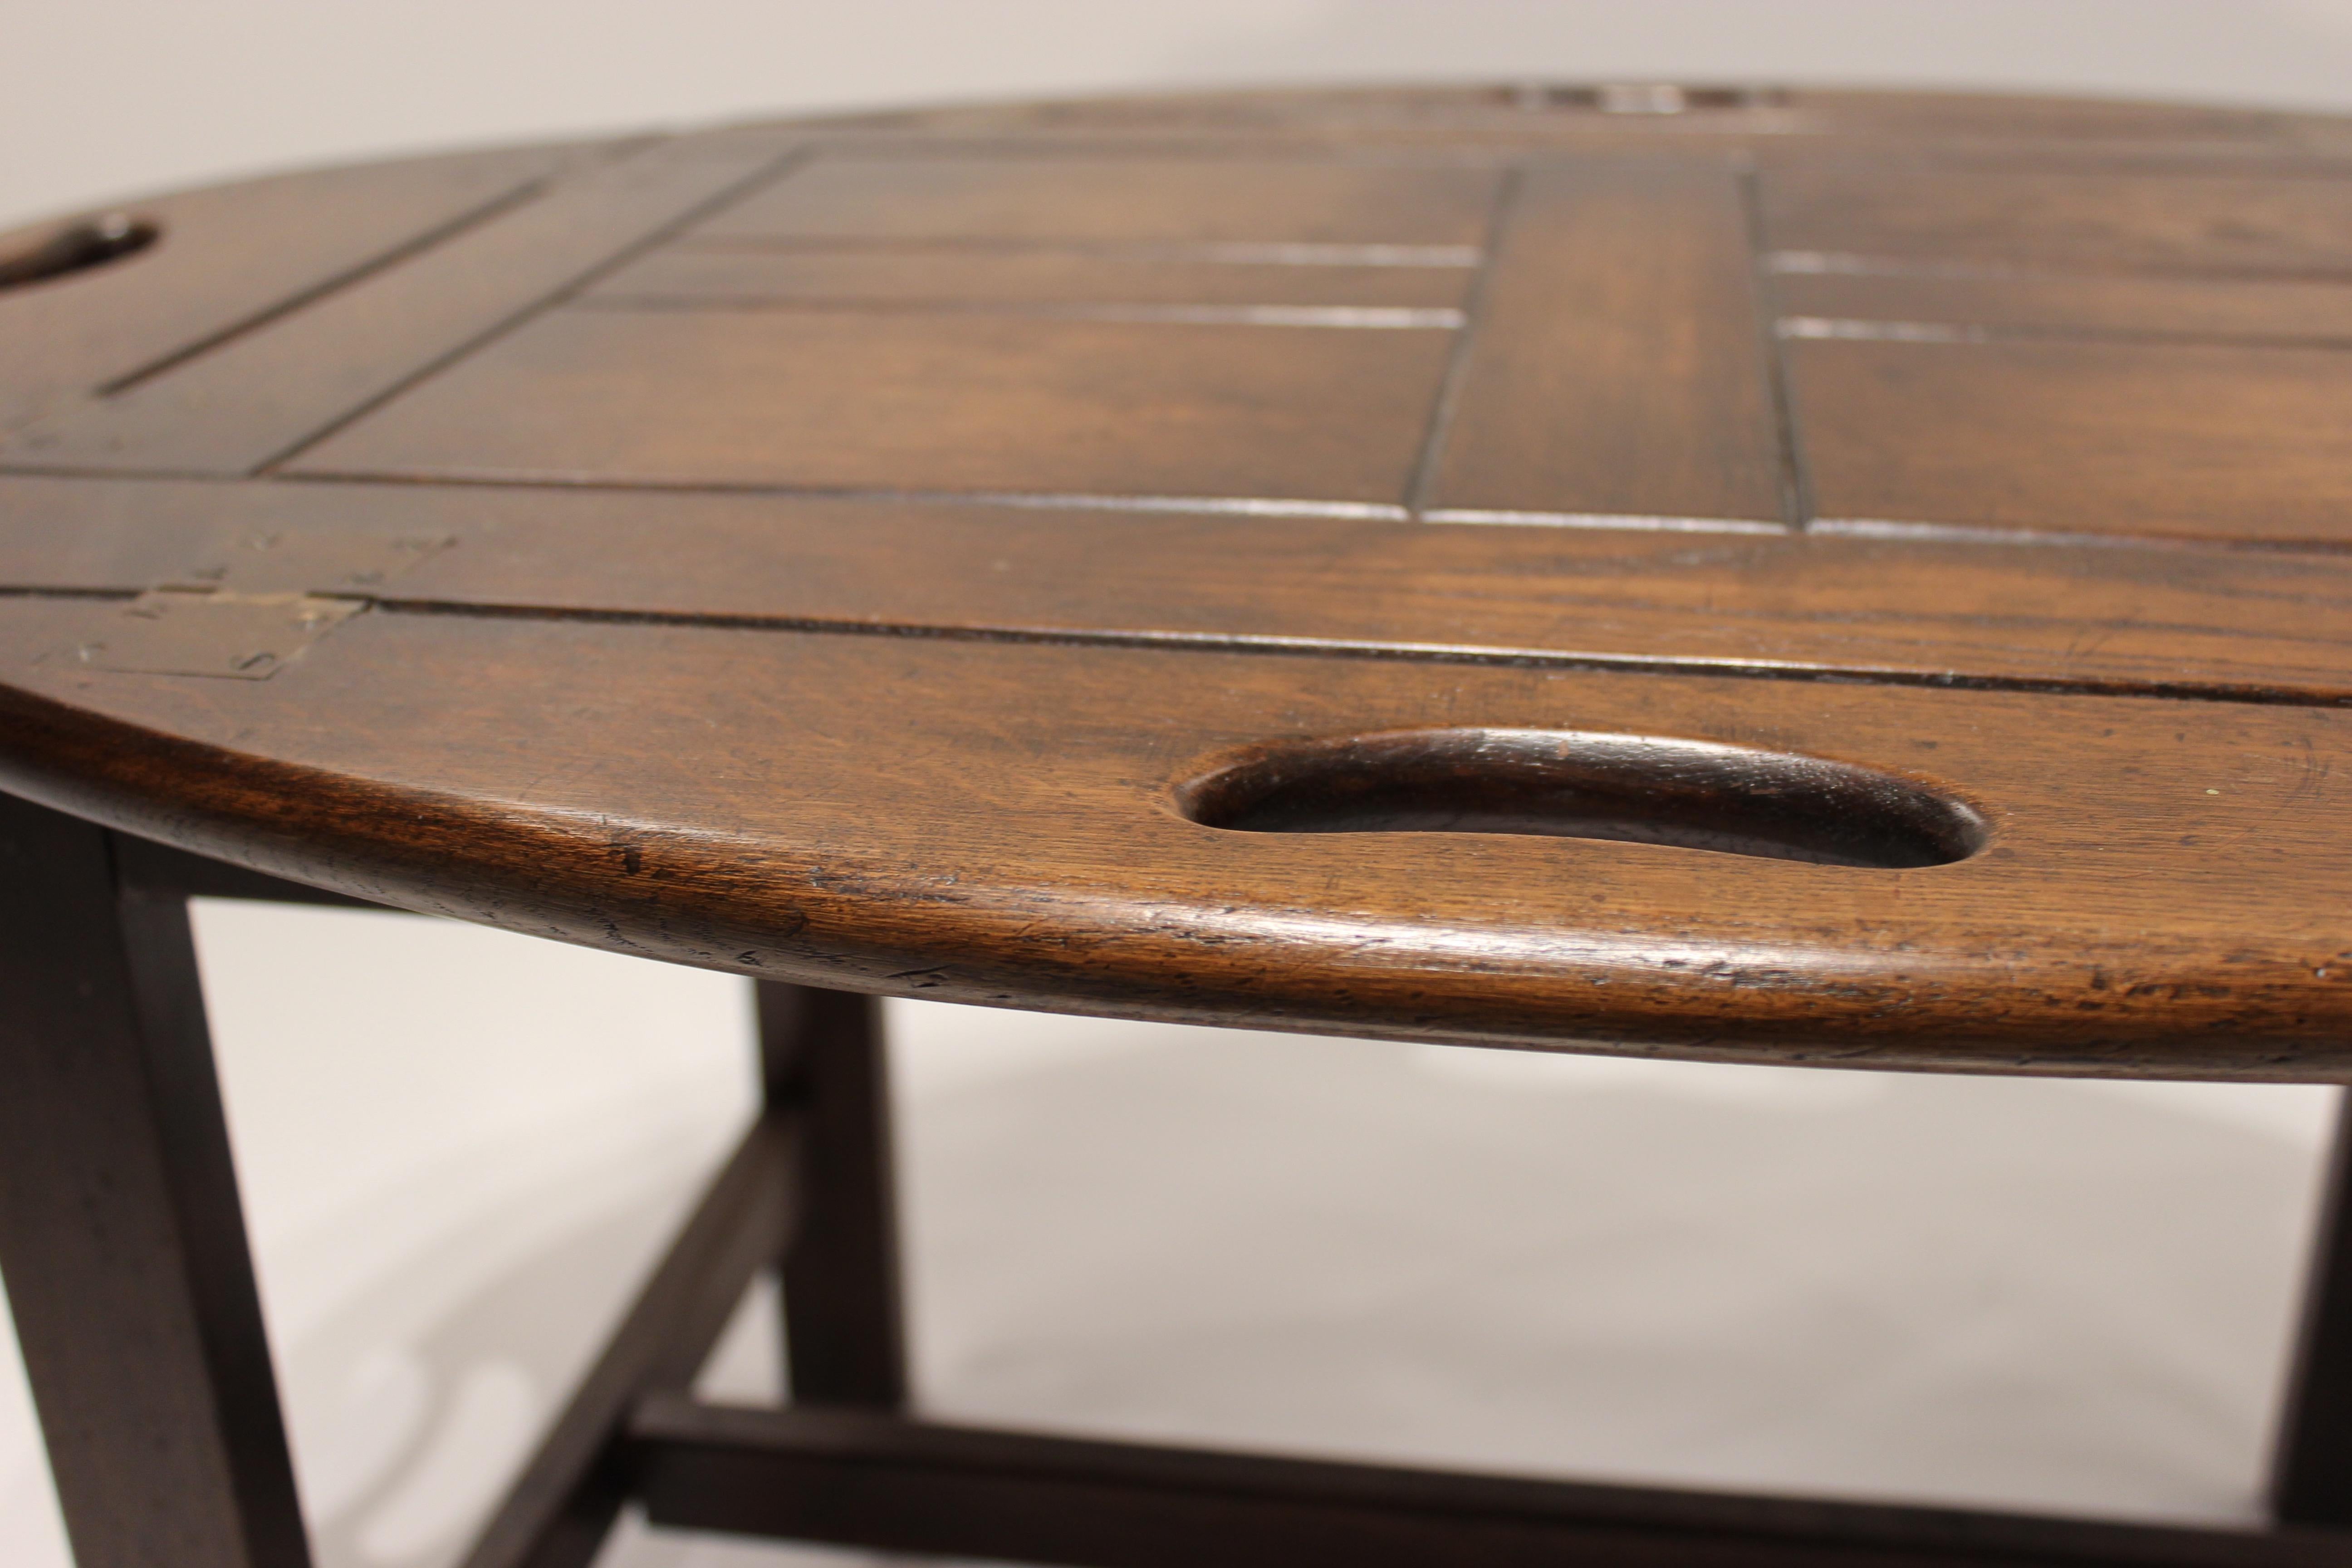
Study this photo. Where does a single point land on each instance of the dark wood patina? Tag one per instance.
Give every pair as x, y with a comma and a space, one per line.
1737, 574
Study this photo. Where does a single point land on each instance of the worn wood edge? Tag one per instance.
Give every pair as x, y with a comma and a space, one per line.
863, 1478
751, 907
157, 870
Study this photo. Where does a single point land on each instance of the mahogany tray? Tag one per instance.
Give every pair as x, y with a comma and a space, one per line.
1727, 573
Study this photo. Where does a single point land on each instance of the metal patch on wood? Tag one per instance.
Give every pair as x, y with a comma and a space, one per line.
310, 561
244, 636
251, 609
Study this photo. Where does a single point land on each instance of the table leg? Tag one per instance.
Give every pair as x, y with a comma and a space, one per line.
121, 1235
822, 1052
2311, 1479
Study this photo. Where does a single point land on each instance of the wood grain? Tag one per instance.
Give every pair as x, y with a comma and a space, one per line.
233, 255
2204, 222
1620, 365
894, 402
984, 822
1123, 200
2255, 625
1342, 562
258, 396
680, 274
2257, 310
1173, 538
2154, 440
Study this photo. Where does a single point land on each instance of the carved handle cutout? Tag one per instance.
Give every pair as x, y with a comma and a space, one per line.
1646, 98
78, 248
1641, 789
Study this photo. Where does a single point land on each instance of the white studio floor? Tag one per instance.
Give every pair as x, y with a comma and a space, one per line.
459, 1150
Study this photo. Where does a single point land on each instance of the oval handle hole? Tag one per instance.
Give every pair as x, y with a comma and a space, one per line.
1641, 789
1646, 98
78, 248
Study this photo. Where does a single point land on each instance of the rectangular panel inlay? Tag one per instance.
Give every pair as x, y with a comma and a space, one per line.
1206, 200
2200, 440
919, 403
2201, 221
778, 278
1620, 365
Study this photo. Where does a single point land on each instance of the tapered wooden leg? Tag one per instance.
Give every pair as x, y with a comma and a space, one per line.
121, 1235
821, 1053
2311, 1477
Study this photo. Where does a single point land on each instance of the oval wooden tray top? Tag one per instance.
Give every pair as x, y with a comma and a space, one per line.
1730, 572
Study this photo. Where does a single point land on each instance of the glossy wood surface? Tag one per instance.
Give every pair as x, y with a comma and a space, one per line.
239, 255
2201, 440
1924, 305
2187, 222
1618, 370
830, 551
971, 402
1064, 281
276, 386
1116, 201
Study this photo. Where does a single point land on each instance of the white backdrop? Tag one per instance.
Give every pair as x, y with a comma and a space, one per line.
2038, 1295
104, 98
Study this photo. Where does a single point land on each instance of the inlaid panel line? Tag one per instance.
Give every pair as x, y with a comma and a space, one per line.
2051, 538
1507, 518
1401, 653
1235, 253
812, 402
497, 206
1060, 500
1457, 365
2064, 436
230, 263
1359, 317
1875, 263
2254, 693
1796, 480
1869, 331
2165, 220
1861, 527
1122, 200
269, 390
773, 170
1625, 369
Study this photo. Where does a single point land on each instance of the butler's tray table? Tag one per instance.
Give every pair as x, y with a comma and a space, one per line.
1725, 573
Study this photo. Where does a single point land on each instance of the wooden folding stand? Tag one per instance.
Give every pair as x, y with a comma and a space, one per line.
135, 1305
1716, 572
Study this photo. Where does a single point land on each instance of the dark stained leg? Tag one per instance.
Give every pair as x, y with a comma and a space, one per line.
558, 1511
121, 1235
2311, 1477
821, 1056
